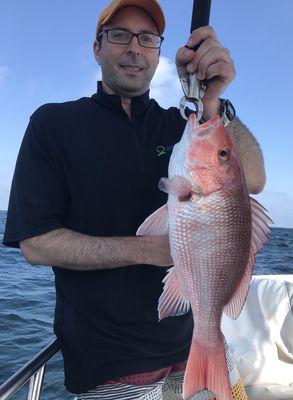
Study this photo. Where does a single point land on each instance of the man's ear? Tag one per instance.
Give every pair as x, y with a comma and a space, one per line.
97, 48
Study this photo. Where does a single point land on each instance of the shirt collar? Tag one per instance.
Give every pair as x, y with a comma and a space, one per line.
138, 104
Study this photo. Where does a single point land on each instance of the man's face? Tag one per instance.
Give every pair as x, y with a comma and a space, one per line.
127, 70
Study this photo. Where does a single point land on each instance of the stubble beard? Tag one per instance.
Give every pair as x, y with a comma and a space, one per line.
127, 86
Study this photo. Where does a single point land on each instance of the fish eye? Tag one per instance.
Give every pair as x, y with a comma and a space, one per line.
224, 154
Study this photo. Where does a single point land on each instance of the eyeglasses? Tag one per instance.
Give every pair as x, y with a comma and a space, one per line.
123, 36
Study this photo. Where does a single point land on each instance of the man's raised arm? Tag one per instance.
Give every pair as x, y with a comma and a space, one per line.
212, 62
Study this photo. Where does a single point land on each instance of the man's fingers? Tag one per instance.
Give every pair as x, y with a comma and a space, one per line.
221, 70
201, 34
209, 52
183, 57
200, 52
210, 61
212, 56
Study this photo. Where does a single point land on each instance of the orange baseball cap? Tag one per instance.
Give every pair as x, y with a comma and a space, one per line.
152, 7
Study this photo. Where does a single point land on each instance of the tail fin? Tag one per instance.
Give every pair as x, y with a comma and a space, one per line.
207, 369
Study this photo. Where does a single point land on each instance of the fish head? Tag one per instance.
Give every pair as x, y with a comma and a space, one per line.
211, 158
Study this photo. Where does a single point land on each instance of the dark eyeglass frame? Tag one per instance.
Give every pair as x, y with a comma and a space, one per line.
137, 35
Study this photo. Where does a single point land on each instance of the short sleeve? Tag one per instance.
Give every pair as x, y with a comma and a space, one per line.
37, 202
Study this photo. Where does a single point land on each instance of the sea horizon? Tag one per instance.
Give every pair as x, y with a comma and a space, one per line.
270, 225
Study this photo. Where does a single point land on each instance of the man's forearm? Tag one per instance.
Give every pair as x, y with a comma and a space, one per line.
251, 156
72, 250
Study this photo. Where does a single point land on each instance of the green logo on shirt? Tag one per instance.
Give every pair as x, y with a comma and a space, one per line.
161, 150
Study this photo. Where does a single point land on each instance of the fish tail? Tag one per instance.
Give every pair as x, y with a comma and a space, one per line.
207, 369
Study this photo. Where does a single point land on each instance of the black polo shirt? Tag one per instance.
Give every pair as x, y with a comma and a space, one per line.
86, 166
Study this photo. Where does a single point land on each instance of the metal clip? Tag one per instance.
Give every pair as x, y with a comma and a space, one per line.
194, 91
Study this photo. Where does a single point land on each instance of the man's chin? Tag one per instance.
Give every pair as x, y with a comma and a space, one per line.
132, 87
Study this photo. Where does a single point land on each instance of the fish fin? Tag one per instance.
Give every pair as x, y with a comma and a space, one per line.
178, 186
259, 231
207, 369
171, 301
156, 223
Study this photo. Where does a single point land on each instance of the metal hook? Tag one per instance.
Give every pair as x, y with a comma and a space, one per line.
194, 90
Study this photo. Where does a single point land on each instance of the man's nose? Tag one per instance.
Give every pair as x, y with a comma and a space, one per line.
134, 46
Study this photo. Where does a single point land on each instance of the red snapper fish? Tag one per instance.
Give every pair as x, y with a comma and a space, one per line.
215, 230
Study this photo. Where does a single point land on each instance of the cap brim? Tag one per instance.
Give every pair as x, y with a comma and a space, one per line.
151, 7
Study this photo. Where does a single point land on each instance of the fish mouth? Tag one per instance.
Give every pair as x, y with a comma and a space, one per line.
192, 163
202, 134
202, 131
195, 188
196, 167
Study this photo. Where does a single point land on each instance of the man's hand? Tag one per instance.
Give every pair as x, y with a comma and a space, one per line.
211, 61
157, 251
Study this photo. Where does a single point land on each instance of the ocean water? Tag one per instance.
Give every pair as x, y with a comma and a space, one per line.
27, 299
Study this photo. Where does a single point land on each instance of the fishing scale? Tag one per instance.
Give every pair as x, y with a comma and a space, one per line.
193, 88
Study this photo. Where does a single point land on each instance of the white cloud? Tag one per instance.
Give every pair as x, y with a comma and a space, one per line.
165, 86
4, 72
279, 206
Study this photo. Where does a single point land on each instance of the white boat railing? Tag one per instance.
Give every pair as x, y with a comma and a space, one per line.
33, 372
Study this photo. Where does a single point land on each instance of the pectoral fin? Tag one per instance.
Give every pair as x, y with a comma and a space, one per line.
156, 223
260, 229
178, 186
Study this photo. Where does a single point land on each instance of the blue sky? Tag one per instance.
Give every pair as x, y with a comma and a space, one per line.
46, 56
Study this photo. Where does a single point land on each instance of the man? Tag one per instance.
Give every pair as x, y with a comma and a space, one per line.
86, 178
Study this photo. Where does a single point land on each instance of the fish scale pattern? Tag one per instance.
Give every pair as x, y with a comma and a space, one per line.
206, 242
